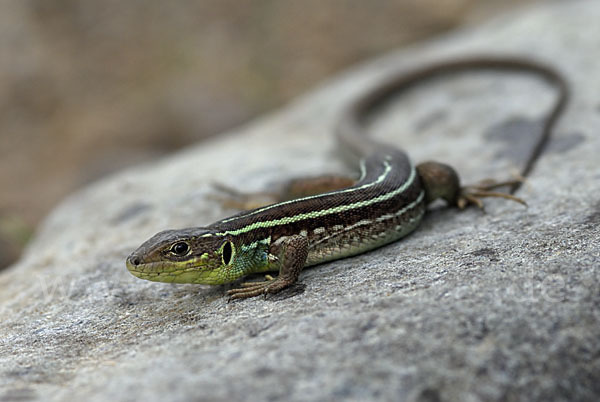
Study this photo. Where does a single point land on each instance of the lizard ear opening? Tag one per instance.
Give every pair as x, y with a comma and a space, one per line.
227, 252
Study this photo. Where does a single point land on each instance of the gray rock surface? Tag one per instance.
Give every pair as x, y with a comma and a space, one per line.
496, 306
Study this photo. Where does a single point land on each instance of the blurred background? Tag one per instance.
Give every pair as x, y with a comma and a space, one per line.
88, 87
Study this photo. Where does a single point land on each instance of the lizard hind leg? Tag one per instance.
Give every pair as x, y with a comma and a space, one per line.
472, 195
442, 181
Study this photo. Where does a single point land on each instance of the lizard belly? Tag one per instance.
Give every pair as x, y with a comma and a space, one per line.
367, 234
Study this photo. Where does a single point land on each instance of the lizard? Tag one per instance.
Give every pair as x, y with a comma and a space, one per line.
332, 217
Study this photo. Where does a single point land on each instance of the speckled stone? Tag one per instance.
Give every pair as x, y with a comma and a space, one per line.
471, 307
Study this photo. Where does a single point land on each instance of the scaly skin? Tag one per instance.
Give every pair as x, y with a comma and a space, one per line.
384, 205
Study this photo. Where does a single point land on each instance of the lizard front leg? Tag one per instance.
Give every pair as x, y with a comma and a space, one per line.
289, 253
290, 190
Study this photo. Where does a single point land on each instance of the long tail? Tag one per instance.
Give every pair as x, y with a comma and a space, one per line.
350, 129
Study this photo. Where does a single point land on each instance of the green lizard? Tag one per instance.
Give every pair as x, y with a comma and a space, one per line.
334, 217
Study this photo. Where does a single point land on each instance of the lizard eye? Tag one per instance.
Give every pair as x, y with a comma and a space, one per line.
180, 248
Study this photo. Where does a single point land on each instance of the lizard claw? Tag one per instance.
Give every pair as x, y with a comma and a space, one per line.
253, 289
472, 195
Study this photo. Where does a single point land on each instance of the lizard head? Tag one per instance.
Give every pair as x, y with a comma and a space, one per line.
194, 255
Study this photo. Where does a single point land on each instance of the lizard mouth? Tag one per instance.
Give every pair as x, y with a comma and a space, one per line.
161, 271
154, 271
148, 268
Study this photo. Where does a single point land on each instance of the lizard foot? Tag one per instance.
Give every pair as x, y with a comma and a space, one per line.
472, 195
253, 289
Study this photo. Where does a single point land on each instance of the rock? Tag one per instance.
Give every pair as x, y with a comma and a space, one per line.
472, 306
